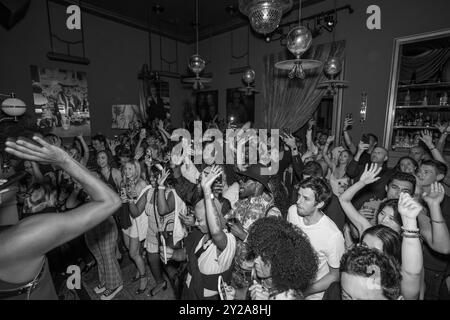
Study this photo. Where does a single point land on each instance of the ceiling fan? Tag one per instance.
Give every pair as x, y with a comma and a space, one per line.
196, 63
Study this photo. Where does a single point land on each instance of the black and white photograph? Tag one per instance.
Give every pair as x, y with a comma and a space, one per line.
61, 100
235, 151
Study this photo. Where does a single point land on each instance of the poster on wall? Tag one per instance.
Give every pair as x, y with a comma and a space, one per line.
65, 109
124, 116
206, 103
158, 102
240, 107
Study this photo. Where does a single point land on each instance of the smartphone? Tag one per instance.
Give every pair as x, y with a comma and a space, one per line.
365, 139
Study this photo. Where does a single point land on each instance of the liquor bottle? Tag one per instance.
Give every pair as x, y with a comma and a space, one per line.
420, 122
425, 99
407, 99
416, 120
443, 101
427, 122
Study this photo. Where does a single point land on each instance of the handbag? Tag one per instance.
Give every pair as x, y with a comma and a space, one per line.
123, 216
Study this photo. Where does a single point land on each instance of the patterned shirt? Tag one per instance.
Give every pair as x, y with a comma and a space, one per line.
248, 211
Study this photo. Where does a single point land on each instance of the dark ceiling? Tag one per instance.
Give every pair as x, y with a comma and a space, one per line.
176, 20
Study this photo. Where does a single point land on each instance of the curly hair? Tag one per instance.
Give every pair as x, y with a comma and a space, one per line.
361, 261
294, 263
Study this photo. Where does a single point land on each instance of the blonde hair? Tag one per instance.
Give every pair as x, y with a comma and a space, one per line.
137, 170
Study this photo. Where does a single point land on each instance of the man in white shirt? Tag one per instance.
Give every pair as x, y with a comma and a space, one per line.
326, 238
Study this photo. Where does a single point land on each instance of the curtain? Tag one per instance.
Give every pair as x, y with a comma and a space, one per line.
424, 66
142, 100
289, 103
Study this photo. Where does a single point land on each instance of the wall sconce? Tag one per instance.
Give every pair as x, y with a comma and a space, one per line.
13, 107
363, 110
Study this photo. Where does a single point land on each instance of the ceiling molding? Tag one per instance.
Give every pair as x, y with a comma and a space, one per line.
205, 32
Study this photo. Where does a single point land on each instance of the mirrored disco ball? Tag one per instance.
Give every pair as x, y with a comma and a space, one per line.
265, 16
249, 76
299, 40
196, 64
332, 67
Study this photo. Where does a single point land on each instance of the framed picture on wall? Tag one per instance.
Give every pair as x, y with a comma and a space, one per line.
124, 116
206, 105
61, 101
240, 107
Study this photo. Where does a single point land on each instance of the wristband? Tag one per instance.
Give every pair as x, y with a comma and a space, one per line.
437, 221
161, 188
411, 235
209, 195
415, 231
431, 149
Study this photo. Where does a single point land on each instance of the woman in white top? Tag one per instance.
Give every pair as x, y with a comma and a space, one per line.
132, 189
339, 181
159, 206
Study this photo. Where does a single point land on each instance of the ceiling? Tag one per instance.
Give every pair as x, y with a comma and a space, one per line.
178, 17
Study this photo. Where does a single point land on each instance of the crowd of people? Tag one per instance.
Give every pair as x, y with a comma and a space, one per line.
334, 222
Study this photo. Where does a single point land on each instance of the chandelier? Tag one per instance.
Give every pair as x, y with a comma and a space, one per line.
264, 15
196, 63
299, 40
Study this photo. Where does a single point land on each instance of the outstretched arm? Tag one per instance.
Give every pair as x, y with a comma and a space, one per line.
434, 229
327, 159
347, 138
359, 221
427, 138
33, 237
85, 147
412, 256
212, 215
165, 206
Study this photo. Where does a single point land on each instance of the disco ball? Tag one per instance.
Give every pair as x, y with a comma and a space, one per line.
249, 76
332, 67
299, 40
196, 64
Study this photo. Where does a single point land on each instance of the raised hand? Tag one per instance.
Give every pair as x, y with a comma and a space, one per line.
112, 144
370, 174
138, 153
363, 147
162, 177
208, 179
289, 140
443, 127
187, 220
45, 153
258, 292
143, 134
347, 123
311, 123
427, 138
408, 207
436, 194
330, 139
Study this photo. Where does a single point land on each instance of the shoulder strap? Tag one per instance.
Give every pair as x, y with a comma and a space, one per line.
268, 209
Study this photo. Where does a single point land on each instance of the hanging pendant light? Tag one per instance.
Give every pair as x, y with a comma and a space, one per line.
264, 15
332, 68
249, 75
196, 63
299, 40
